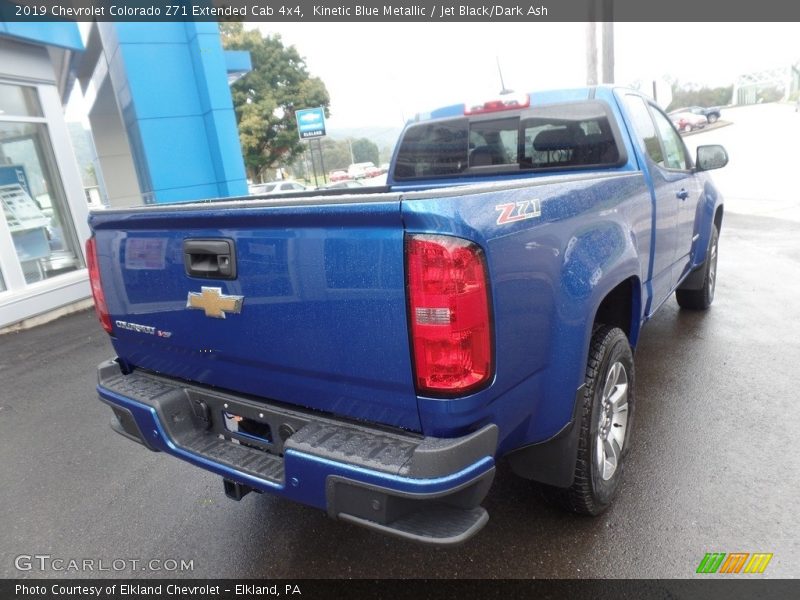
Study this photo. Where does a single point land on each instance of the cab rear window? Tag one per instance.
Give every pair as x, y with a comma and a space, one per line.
572, 135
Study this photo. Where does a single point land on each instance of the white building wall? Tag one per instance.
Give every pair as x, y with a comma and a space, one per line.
31, 65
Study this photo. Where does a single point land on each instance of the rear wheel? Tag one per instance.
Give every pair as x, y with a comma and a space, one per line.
701, 299
712, 118
687, 127
606, 419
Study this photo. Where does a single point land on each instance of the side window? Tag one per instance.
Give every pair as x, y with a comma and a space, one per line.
645, 128
673, 145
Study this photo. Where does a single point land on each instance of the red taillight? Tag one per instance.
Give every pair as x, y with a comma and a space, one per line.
448, 300
97, 289
509, 102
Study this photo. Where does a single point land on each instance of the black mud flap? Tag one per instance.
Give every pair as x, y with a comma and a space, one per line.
443, 519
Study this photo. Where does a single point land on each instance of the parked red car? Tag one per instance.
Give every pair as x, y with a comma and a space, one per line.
687, 121
338, 175
372, 171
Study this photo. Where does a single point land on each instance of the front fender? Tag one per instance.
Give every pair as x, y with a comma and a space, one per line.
707, 208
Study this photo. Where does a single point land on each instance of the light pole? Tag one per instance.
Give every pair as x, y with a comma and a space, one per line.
607, 40
591, 48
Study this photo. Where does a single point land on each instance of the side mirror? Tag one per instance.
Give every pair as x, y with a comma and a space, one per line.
711, 157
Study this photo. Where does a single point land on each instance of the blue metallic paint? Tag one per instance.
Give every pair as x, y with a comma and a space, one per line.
323, 323
548, 277
663, 275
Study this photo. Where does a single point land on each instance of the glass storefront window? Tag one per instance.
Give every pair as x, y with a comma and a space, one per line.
34, 204
19, 101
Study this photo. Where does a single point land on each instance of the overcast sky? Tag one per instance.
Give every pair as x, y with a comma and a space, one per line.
379, 74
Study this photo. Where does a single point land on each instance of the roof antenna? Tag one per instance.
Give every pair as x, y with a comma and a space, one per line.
504, 90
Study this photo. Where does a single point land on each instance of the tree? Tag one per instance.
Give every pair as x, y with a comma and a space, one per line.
265, 100
365, 150
336, 154
692, 94
770, 94
386, 153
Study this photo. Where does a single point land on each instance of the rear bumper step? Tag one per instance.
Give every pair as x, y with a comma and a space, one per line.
435, 524
419, 488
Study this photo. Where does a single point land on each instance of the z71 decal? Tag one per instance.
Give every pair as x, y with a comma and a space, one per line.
518, 211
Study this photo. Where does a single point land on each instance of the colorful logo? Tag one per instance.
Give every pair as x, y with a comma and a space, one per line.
734, 563
518, 211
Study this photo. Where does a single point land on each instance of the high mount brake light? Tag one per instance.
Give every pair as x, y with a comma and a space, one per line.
100, 306
502, 103
451, 329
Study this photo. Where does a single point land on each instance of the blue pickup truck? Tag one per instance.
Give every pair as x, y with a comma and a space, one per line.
374, 354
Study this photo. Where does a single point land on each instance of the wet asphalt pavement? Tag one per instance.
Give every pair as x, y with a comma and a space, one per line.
713, 466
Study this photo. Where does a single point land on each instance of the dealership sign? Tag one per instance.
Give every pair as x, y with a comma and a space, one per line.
310, 122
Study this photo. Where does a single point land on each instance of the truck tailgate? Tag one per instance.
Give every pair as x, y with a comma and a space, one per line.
322, 321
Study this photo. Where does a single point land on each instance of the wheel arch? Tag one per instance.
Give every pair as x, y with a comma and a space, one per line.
552, 461
621, 307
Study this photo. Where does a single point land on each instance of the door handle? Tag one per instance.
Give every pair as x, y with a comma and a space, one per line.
683, 194
211, 259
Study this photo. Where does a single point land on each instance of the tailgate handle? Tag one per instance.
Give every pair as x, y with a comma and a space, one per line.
211, 259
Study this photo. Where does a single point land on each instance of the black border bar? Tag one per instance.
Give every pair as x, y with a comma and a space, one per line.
730, 588
439, 11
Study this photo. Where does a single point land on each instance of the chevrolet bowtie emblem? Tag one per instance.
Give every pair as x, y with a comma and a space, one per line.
214, 302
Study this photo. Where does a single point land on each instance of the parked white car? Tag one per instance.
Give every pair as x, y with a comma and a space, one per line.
275, 187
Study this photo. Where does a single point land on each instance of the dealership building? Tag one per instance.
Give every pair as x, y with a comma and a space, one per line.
163, 129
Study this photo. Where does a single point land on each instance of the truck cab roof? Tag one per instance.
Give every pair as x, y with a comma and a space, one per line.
519, 135
538, 97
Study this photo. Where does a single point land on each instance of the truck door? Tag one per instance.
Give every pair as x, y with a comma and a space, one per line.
666, 184
676, 171
666, 162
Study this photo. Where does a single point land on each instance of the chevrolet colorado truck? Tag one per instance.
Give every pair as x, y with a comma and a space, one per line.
374, 353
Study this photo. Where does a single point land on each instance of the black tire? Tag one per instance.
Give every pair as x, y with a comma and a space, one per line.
702, 298
687, 128
712, 118
592, 492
